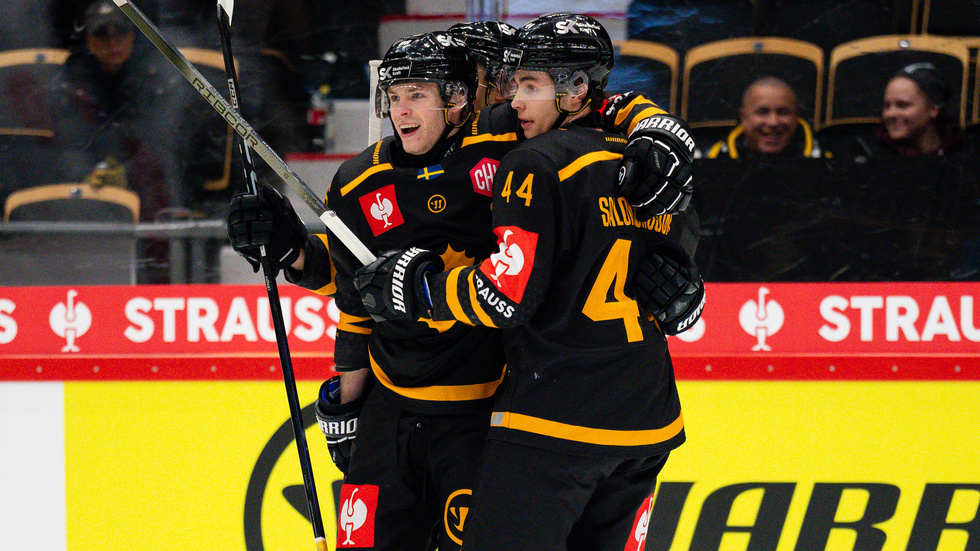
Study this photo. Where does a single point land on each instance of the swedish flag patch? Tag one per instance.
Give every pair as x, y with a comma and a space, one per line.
430, 172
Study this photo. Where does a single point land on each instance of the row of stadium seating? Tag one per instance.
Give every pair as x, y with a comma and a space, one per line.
26, 129
837, 89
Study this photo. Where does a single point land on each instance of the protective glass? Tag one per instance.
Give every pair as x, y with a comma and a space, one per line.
418, 94
528, 84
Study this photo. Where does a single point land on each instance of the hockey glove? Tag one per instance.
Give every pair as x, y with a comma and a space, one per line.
338, 421
394, 285
655, 173
266, 218
669, 287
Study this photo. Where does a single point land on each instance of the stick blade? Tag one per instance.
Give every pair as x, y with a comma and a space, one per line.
228, 6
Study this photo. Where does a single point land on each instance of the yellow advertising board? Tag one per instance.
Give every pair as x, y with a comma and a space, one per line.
768, 465
190, 465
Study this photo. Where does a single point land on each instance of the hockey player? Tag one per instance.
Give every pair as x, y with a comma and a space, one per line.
485, 41
427, 186
588, 411
655, 179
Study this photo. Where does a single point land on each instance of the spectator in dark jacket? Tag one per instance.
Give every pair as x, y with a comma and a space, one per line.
914, 120
769, 124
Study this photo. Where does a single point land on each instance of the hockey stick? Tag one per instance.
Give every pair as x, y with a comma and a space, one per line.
225, 11
251, 137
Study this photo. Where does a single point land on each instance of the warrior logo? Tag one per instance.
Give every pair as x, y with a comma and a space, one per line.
761, 319
454, 517
70, 321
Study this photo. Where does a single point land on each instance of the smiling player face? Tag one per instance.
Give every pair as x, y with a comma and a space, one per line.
418, 114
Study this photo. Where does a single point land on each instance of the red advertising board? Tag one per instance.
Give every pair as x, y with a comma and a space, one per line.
890, 331
160, 332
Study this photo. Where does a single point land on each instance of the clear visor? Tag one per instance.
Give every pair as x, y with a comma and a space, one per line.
539, 84
418, 94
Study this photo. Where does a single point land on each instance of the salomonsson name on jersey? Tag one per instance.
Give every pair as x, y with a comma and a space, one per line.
443, 206
569, 245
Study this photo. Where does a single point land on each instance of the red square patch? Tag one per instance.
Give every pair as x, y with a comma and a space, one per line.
381, 209
641, 526
482, 176
355, 526
510, 267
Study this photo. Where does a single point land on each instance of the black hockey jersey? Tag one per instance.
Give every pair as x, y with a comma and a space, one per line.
443, 206
588, 371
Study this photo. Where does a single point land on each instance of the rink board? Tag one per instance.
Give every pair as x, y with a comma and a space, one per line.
783, 452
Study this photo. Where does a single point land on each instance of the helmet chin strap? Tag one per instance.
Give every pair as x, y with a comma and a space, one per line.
563, 114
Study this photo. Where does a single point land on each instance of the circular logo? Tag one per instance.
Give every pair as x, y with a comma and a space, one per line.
457, 507
437, 203
277, 507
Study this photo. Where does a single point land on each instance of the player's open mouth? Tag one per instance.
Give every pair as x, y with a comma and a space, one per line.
409, 129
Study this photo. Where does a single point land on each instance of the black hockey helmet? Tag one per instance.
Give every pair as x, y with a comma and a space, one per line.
574, 49
485, 41
429, 57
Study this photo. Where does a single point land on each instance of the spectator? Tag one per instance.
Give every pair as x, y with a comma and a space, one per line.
769, 124
114, 103
914, 120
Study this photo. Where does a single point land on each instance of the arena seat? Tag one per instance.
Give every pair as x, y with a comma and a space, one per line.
860, 69
716, 74
72, 202
951, 17
54, 256
27, 78
648, 67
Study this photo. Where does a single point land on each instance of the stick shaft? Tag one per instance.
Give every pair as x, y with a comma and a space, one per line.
275, 307
247, 133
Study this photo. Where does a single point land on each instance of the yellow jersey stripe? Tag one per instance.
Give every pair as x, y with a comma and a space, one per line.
440, 393
350, 323
625, 112
329, 288
470, 140
452, 296
477, 308
364, 175
646, 113
586, 160
587, 435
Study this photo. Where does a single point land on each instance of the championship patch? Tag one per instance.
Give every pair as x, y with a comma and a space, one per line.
641, 525
381, 209
355, 525
482, 176
510, 267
